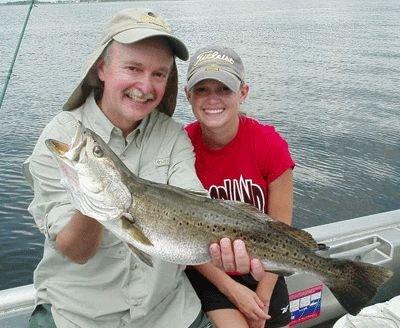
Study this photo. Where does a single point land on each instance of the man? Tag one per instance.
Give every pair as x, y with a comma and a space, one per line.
87, 277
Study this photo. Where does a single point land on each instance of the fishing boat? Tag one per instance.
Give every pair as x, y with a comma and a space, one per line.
373, 239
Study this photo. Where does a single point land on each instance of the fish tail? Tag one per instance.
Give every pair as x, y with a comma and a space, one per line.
356, 283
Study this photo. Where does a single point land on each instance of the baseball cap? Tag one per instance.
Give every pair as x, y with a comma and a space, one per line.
129, 26
217, 63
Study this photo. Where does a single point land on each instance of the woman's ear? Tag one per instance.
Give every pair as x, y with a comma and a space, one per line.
188, 95
244, 91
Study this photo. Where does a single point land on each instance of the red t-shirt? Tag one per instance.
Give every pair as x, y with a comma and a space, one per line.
243, 169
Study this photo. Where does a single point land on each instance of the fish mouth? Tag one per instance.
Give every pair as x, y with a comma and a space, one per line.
68, 151
57, 147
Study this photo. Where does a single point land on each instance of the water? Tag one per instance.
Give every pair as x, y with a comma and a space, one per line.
325, 73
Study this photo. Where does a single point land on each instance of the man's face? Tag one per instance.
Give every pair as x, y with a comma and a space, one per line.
135, 76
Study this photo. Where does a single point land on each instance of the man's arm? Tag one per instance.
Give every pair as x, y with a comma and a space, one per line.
80, 238
73, 234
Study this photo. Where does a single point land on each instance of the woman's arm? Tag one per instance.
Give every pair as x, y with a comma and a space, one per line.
280, 207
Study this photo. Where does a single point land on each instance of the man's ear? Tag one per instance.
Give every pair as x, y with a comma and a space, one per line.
100, 68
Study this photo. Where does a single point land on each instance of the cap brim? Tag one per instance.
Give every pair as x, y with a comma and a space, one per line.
230, 80
135, 35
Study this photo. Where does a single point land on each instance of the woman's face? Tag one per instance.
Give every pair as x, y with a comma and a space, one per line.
214, 104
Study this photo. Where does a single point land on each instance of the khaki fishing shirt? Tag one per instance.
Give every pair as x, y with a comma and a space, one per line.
114, 288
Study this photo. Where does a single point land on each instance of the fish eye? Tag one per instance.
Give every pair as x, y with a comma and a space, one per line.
97, 151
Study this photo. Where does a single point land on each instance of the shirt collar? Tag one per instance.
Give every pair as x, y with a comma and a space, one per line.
137, 134
100, 124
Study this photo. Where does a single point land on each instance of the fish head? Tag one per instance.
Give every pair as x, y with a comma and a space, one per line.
90, 172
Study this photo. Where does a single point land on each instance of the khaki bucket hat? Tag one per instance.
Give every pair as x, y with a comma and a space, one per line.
130, 26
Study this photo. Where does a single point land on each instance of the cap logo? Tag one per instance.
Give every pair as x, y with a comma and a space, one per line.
213, 67
212, 55
150, 18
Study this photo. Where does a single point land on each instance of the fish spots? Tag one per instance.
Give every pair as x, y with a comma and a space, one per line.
214, 228
180, 222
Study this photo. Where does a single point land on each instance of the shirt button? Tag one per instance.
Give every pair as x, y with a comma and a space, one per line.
136, 302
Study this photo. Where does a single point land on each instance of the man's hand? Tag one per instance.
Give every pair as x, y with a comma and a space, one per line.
235, 260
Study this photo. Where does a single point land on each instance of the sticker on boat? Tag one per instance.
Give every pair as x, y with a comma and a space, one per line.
305, 304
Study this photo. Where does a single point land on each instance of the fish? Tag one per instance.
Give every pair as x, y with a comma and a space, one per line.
178, 225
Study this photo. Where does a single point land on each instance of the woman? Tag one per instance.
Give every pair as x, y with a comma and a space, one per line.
237, 158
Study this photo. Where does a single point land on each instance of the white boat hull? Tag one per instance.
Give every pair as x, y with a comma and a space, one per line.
373, 239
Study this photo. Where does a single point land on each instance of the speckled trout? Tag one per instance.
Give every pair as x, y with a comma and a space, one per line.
177, 225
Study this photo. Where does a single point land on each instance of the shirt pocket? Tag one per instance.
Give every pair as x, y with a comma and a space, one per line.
157, 170
117, 252
112, 247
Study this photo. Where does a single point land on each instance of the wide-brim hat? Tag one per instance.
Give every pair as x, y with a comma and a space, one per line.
217, 63
130, 26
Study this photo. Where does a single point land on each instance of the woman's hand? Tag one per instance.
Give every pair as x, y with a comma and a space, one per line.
247, 302
256, 323
260, 323
235, 259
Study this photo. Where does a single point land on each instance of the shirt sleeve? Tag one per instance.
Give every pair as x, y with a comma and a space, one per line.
277, 157
182, 172
51, 207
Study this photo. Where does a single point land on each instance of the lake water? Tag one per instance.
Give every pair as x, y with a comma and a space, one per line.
325, 73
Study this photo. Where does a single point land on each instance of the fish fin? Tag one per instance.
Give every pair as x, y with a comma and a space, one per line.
197, 193
273, 268
357, 283
144, 257
301, 236
280, 272
129, 217
247, 208
129, 225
